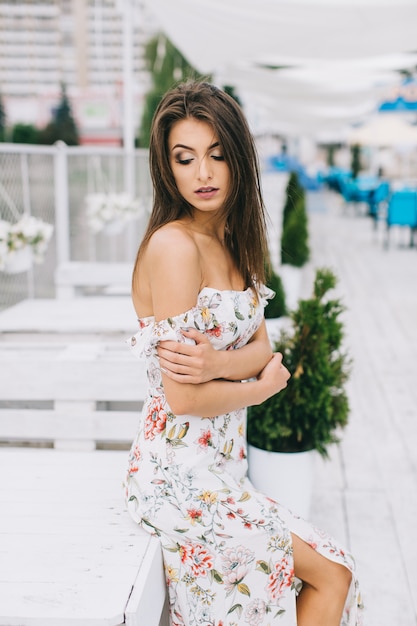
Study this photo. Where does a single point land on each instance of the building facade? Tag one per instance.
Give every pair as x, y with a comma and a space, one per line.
78, 43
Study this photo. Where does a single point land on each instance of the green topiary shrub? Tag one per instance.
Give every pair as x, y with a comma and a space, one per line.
294, 238
307, 414
276, 307
293, 193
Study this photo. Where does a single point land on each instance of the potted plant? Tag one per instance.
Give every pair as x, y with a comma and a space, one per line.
294, 240
307, 415
109, 212
23, 242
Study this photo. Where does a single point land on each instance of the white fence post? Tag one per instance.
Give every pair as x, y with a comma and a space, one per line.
61, 203
128, 78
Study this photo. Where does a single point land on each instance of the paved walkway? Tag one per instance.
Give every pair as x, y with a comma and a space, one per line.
366, 494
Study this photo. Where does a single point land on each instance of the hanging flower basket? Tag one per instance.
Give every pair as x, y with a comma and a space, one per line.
19, 261
23, 243
110, 212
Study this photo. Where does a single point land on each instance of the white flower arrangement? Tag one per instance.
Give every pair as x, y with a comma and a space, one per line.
27, 232
106, 208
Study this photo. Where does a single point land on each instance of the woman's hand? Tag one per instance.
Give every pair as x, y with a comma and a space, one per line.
274, 376
197, 361
188, 363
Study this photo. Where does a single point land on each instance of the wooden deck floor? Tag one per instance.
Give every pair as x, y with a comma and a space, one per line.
366, 495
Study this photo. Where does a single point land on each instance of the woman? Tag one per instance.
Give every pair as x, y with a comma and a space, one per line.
232, 555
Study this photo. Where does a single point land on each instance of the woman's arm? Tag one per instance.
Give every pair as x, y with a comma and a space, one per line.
201, 362
221, 396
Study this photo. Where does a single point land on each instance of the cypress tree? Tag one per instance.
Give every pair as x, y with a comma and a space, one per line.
62, 126
294, 240
294, 191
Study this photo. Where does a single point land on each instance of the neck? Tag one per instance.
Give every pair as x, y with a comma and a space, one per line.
208, 226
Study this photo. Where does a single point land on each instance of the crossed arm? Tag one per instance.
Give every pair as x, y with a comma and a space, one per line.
200, 363
200, 380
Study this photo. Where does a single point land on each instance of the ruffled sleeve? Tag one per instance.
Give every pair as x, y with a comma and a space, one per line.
151, 332
265, 294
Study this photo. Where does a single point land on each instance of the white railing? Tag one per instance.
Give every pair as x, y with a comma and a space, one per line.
51, 183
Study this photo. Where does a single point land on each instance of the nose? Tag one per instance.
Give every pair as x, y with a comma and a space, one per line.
205, 172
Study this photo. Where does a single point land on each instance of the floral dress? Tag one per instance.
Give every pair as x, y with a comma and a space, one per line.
226, 547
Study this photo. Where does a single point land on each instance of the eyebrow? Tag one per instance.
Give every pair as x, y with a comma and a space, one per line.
181, 145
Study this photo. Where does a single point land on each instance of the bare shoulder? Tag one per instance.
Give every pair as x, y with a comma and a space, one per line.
172, 267
175, 241
172, 251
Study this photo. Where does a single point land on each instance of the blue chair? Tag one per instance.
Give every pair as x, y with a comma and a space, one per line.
402, 211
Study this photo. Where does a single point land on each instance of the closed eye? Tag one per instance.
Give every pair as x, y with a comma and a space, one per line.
217, 157
183, 161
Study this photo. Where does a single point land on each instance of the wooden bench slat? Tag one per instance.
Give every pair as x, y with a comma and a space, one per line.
50, 425
34, 604
84, 371
72, 277
82, 316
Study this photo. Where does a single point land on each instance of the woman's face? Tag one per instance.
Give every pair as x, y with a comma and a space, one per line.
200, 171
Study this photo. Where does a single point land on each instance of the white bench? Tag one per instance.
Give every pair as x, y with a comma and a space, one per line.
74, 277
69, 552
55, 393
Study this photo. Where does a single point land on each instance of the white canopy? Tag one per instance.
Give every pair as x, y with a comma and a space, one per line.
338, 55
215, 33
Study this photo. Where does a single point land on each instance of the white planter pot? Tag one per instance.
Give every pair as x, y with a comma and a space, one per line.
19, 261
291, 278
285, 477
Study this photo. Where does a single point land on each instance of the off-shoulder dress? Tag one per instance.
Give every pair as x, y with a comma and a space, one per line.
226, 547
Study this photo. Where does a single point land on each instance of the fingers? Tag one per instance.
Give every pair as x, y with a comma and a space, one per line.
176, 347
277, 356
193, 333
179, 366
180, 378
173, 362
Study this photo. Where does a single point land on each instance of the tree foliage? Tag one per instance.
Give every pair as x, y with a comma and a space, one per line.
25, 133
62, 125
276, 307
293, 193
167, 67
294, 237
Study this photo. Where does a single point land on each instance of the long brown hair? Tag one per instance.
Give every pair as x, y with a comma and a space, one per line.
244, 208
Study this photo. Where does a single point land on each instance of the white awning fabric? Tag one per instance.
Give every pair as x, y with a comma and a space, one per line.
214, 33
305, 63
